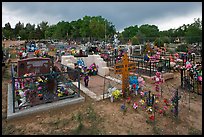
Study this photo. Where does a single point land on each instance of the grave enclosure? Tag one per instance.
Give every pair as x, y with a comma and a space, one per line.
35, 87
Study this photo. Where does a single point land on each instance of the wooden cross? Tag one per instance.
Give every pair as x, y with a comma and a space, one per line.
124, 68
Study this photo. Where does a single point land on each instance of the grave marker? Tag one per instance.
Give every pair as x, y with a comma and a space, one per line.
33, 65
124, 68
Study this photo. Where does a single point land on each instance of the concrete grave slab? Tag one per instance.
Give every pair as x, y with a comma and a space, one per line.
38, 108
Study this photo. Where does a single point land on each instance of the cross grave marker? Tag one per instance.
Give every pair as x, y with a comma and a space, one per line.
124, 68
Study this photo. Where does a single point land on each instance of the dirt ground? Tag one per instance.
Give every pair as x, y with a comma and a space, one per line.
105, 117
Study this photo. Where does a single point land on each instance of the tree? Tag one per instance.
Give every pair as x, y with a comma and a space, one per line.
19, 26
7, 31
194, 32
135, 41
50, 31
38, 33
43, 26
182, 48
150, 31
30, 31
22, 34
165, 39
159, 42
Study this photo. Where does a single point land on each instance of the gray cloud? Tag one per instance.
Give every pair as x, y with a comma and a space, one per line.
121, 14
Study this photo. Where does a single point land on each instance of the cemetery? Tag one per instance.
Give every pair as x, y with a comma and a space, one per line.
155, 84
139, 84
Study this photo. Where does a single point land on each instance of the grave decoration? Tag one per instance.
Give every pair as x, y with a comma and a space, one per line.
37, 53
146, 57
64, 90
123, 107
81, 63
188, 65
158, 80
32, 90
93, 69
135, 105
124, 68
81, 66
115, 95
141, 82
134, 84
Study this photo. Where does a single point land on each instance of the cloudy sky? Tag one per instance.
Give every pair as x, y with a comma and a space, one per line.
165, 15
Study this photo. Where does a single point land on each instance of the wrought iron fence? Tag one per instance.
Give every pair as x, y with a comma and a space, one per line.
190, 82
31, 90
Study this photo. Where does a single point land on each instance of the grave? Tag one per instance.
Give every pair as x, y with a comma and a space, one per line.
35, 87
34, 65
102, 65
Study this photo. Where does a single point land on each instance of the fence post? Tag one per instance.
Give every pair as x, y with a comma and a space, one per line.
13, 87
150, 68
176, 106
181, 72
183, 59
169, 66
78, 72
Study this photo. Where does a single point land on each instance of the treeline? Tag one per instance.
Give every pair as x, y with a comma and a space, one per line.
98, 28
190, 33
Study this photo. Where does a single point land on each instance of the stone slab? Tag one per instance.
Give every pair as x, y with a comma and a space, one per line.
38, 108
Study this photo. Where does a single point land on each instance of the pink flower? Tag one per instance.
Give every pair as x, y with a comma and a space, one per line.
39, 88
142, 93
165, 107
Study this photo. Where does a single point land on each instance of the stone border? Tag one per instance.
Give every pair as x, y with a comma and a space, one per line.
38, 108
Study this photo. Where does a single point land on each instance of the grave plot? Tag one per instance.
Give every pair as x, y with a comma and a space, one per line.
35, 83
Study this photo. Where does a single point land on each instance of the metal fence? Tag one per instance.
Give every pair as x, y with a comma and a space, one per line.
189, 82
148, 68
32, 90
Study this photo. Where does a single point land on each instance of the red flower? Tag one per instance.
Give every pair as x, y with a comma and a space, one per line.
165, 100
160, 111
151, 118
128, 99
20, 53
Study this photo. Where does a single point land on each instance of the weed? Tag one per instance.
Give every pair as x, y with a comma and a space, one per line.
8, 130
79, 130
194, 131
6, 75
156, 130
79, 117
91, 115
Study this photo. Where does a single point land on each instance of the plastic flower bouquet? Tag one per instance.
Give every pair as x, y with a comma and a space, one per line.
116, 94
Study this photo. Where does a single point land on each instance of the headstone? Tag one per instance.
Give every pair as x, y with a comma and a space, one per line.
33, 65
